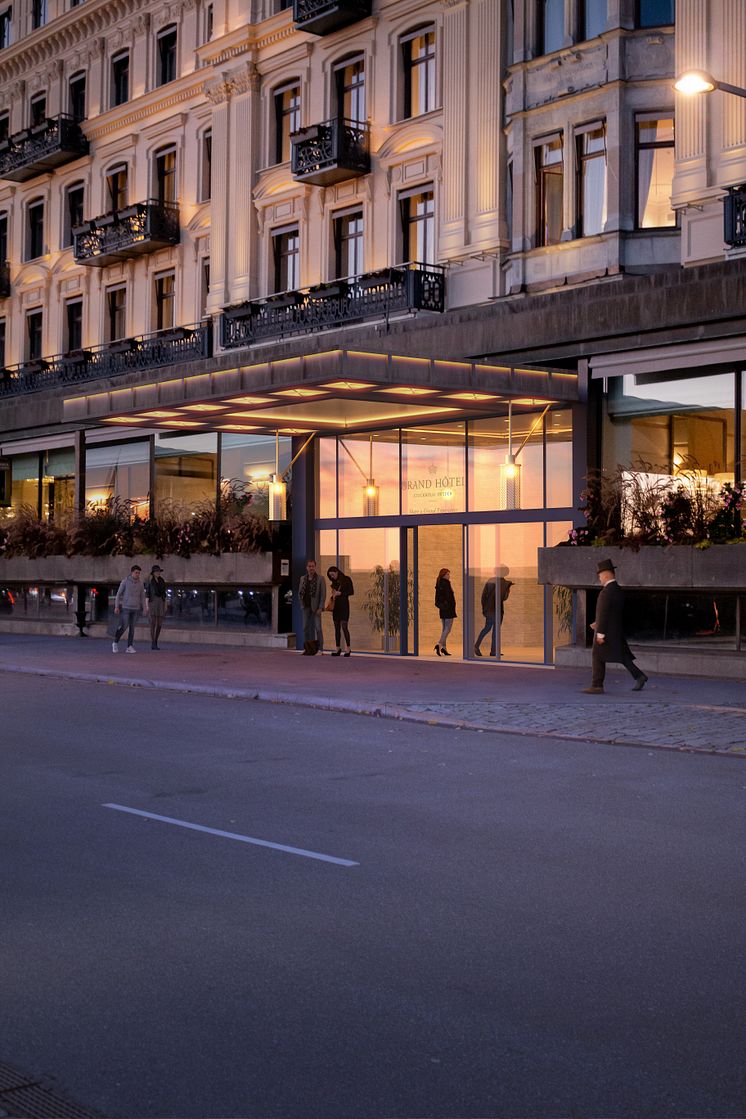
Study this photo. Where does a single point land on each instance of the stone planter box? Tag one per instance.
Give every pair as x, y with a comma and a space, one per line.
678, 567
229, 569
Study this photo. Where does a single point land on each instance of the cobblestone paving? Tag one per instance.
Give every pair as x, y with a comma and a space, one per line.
716, 730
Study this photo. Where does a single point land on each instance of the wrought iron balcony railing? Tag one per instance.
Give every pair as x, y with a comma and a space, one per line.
330, 152
374, 295
146, 351
143, 227
322, 17
734, 215
4, 279
44, 146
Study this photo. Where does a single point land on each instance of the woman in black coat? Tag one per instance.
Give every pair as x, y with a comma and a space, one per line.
445, 602
341, 591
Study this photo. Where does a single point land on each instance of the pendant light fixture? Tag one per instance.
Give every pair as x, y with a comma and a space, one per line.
510, 472
371, 492
278, 491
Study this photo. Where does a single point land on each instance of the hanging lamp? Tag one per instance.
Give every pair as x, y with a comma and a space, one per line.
510, 472
278, 491
371, 492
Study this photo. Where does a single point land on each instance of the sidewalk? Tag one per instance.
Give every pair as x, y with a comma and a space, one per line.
677, 713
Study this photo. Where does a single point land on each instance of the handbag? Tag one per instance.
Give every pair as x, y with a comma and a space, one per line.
329, 606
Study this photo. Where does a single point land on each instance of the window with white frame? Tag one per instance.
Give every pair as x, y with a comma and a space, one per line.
120, 79
73, 325
287, 119
551, 25
166, 55
38, 13
418, 64
164, 299
205, 171
655, 166
73, 212
116, 186
591, 189
34, 334
348, 243
417, 212
115, 308
592, 17
549, 159
35, 229
349, 90
286, 258
164, 176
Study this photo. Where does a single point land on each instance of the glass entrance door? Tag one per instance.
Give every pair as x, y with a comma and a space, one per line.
439, 547
507, 601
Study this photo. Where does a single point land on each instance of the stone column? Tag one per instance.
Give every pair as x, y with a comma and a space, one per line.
733, 38
219, 95
244, 149
489, 147
691, 112
455, 96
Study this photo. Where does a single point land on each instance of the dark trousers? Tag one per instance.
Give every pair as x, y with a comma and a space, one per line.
128, 618
599, 665
341, 627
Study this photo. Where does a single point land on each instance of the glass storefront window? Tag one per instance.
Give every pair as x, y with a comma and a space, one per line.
245, 608
673, 426
24, 481
370, 556
489, 441
185, 469
507, 618
558, 425
249, 460
563, 598
433, 469
58, 484
119, 470
326, 477
369, 474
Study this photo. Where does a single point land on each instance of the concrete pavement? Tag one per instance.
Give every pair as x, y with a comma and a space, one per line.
675, 713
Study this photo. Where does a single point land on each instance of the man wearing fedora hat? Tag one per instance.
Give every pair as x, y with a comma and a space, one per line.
609, 643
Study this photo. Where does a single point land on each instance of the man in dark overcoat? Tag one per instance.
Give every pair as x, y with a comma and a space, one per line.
609, 642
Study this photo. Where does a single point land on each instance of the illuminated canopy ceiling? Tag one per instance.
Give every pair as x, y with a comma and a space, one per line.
341, 390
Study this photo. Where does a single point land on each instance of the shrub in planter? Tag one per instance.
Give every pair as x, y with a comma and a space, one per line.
26, 535
104, 529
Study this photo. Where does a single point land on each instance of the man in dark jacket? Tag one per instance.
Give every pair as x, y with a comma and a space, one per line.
609, 643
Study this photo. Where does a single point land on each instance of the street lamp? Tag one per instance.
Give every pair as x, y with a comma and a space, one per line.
699, 81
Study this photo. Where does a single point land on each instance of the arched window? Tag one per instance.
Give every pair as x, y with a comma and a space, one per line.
418, 65
286, 101
349, 89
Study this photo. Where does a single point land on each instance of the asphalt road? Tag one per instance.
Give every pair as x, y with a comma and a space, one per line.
532, 928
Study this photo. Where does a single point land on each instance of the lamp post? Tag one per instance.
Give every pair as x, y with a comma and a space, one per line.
693, 82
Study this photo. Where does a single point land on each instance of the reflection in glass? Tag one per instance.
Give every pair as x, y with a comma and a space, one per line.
563, 598
369, 474
185, 469
489, 441
370, 556
326, 477
433, 469
506, 556
249, 460
24, 490
119, 470
558, 424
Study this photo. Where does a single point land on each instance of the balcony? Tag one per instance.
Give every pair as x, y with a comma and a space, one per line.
56, 140
322, 17
4, 279
143, 227
734, 215
126, 355
374, 295
330, 152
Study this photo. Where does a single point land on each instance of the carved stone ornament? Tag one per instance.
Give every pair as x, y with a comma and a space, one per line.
141, 23
218, 92
245, 80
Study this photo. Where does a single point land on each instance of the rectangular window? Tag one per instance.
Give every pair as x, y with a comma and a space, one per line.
35, 230
551, 25
591, 197
209, 22
38, 109
592, 18
76, 91
6, 25
38, 13
348, 244
549, 191
418, 225
120, 78
4, 126
3, 237
655, 13
204, 287
116, 313
166, 56
350, 90
655, 166
116, 187
418, 59
2, 343
206, 169
165, 176
165, 292
73, 214
73, 325
287, 120
286, 259
34, 331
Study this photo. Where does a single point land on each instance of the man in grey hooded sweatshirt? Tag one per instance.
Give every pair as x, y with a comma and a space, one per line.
131, 601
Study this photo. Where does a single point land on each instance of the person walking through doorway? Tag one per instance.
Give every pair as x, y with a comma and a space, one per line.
129, 603
155, 592
609, 642
312, 595
489, 599
341, 589
445, 604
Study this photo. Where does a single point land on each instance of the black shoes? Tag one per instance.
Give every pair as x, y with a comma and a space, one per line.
348, 652
640, 683
444, 651
437, 649
337, 653
477, 651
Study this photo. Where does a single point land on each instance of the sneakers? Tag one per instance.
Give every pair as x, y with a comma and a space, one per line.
131, 649
114, 647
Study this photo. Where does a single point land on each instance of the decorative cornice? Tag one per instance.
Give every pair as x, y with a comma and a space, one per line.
144, 111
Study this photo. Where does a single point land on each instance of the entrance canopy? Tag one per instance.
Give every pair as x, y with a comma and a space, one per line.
336, 391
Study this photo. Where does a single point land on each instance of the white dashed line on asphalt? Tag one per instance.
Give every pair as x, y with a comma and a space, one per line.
234, 835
